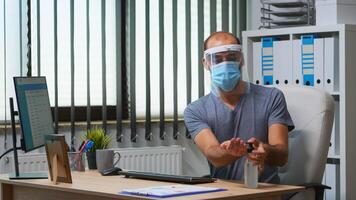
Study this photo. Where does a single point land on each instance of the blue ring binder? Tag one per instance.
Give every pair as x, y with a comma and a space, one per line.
267, 60
307, 59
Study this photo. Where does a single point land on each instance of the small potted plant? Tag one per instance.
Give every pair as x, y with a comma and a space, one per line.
101, 141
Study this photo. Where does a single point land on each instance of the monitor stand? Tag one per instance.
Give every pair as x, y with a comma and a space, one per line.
17, 175
28, 175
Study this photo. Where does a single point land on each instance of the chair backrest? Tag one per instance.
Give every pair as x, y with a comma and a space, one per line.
312, 111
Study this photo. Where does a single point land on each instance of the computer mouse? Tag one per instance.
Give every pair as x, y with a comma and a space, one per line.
111, 171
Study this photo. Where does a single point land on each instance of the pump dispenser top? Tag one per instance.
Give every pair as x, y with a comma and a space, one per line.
249, 147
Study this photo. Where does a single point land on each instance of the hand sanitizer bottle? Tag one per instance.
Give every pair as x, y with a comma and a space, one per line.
250, 170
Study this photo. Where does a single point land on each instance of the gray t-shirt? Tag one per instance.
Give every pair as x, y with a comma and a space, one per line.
257, 110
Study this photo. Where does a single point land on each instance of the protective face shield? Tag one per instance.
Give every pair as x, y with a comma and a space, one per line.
216, 55
224, 63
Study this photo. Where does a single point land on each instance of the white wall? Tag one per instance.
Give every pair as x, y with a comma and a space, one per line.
254, 14
194, 163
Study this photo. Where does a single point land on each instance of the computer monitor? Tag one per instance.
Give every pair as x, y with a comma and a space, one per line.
34, 111
35, 118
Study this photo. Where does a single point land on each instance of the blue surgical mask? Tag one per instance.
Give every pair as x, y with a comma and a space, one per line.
225, 75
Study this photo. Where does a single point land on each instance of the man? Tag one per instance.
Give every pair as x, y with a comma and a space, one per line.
236, 112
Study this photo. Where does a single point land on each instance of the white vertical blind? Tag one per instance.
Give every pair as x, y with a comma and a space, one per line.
10, 62
218, 14
47, 45
13, 66
140, 61
33, 37
154, 61
80, 46
194, 50
206, 34
111, 52
181, 71
2, 62
168, 60
63, 53
95, 53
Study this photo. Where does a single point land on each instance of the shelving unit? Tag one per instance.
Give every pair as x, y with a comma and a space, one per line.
287, 13
340, 170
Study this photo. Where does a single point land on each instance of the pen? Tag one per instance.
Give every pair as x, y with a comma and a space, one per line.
81, 145
87, 145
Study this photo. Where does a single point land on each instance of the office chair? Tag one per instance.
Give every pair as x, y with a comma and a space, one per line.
312, 111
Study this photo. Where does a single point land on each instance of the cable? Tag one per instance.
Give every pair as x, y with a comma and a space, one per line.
8, 151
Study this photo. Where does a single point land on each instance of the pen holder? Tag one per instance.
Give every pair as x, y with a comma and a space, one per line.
76, 161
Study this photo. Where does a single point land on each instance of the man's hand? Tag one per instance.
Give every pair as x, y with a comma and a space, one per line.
217, 153
258, 155
235, 147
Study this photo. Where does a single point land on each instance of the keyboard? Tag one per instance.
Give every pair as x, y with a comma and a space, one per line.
166, 177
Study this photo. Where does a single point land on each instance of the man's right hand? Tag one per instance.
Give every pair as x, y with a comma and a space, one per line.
235, 147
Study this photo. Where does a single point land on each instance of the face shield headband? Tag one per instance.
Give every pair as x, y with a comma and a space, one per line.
225, 53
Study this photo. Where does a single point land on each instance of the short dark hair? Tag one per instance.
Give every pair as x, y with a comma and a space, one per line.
217, 33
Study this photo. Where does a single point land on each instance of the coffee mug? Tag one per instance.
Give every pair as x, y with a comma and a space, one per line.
105, 159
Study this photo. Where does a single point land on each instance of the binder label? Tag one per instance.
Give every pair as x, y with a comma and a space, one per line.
307, 59
267, 60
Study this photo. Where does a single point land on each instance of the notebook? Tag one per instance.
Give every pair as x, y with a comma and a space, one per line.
170, 191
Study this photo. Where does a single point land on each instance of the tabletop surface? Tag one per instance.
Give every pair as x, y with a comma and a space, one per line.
92, 183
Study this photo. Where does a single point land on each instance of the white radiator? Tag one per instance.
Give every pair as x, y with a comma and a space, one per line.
165, 159
30, 162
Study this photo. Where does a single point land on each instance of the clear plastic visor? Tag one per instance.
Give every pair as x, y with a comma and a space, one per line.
216, 58
224, 53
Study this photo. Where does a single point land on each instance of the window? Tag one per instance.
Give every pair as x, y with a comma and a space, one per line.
89, 30
87, 34
95, 53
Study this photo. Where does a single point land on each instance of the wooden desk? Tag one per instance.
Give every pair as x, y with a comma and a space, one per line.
91, 185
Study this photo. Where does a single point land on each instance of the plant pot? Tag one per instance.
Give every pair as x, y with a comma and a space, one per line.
91, 156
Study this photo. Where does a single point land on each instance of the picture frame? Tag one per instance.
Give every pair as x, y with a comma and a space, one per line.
57, 158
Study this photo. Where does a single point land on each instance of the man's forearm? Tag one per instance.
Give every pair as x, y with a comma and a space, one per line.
219, 157
277, 155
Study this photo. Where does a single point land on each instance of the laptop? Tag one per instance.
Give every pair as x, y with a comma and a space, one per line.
166, 177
